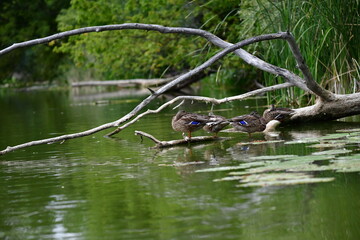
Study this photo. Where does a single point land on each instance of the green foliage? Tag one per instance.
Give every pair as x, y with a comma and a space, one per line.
328, 33
26, 20
136, 53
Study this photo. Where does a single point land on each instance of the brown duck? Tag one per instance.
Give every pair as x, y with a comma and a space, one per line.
215, 124
249, 123
277, 113
188, 122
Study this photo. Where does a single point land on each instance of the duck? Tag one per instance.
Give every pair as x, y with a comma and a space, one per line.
249, 123
187, 122
277, 113
215, 124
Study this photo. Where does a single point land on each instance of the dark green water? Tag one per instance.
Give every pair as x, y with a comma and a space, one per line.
118, 188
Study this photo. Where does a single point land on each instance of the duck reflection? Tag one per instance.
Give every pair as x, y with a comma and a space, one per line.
243, 151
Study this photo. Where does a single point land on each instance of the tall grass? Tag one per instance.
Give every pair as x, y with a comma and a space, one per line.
328, 33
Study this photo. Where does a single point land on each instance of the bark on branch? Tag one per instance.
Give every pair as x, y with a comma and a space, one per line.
341, 106
171, 143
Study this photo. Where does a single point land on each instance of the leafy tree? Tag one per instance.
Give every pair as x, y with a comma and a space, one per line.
131, 54
25, 20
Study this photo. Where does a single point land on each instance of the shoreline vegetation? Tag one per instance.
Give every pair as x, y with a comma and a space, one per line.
328, 44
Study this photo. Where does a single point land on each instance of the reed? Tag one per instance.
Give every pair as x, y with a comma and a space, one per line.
328, 33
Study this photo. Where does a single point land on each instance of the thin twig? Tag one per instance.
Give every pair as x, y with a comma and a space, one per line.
171, 143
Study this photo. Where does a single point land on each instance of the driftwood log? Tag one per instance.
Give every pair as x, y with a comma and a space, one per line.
328, 106
140, 83
171, 143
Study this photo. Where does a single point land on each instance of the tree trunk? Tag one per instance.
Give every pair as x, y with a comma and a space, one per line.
341, 106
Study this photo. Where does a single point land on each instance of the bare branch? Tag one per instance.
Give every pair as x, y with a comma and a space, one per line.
310, 83
143, 134
247, 57
171, 143
195, 71
57, 139
147, 100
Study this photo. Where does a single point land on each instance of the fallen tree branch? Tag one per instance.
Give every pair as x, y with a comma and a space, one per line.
341, 106
147, 100
310, 83
125, 83
57, 139
171, 143
195, 71
247, 57
202, 99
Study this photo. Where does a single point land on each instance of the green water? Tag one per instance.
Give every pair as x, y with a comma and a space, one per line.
119, 188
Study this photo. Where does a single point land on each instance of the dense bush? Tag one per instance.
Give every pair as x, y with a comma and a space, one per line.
26, 20
328, 33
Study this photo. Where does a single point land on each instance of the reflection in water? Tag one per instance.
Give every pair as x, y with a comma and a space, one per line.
101, 188
59, 208
297, 135
87, 95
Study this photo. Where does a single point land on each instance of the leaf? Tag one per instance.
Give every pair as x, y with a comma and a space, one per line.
332, 152
311, 158
231, 178
326, 137
349, 130
272, 157
274, 177
286, 182
294, 164
259, 142
334, 136
228, 168
355, 157
328, 145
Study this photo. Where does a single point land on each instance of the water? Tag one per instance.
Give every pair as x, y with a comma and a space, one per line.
119, 188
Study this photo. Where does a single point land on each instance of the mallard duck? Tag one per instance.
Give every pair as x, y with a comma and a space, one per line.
215, 124
249, 123
188, 122
280, 114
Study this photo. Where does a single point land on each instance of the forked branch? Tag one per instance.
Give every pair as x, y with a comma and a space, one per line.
171, 143
290, 77
247, 57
